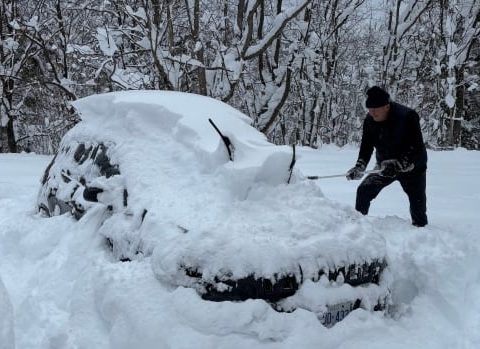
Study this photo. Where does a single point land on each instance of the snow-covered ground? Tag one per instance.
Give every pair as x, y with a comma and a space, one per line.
68, 292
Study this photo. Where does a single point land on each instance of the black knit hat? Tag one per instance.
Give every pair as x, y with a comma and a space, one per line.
377, 97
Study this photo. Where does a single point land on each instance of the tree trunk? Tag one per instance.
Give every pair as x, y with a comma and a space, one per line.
199, 54
459, 108
9, 131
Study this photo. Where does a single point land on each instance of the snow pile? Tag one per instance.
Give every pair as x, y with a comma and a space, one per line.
195, 208
68, 292
7, 338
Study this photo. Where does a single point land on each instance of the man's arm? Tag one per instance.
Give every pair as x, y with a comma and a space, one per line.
414, 154
366, 149
366, 146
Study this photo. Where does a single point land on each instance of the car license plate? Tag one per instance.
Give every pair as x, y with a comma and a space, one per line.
336, 313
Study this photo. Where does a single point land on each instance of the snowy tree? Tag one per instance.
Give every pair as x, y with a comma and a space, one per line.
13, 54
402, 18
320, 70
459, 27
298, 68
38, 67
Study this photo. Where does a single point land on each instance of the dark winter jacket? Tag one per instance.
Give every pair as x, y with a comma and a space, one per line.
399, 137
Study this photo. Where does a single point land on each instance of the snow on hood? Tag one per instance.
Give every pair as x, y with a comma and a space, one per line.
235, 217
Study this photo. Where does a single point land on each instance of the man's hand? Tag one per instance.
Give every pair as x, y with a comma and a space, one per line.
393, 167
357, 171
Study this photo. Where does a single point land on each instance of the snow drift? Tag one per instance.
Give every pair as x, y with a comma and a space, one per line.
68, 292
7, 338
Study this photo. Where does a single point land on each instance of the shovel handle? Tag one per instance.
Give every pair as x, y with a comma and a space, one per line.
340, 175
323, 177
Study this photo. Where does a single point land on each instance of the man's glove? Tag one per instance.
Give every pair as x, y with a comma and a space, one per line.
393, 167
357, 171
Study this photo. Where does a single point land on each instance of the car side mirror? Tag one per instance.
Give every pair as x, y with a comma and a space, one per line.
90, 193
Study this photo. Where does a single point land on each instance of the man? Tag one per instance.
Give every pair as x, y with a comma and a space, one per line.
394, 131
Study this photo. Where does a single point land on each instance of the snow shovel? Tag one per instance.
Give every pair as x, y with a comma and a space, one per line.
340, 175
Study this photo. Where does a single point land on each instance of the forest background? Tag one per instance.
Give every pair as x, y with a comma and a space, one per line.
298, 68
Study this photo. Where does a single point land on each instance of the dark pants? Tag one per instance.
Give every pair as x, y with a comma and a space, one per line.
413, 185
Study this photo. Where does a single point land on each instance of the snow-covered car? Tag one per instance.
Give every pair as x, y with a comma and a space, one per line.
185, 183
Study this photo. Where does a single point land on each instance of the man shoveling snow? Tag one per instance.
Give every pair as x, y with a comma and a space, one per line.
394, 131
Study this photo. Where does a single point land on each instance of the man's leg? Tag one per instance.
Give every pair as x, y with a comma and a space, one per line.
414, 187
369, 189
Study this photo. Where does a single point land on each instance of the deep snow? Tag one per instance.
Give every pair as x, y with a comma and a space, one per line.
67, 291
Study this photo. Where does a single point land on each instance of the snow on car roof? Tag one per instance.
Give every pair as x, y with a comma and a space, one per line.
236, 217
187, 113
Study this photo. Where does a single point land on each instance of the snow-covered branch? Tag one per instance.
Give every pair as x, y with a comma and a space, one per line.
251, 51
